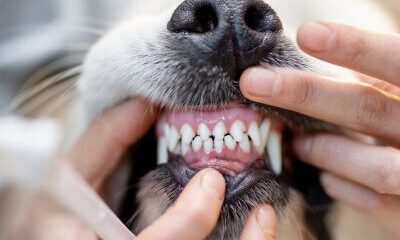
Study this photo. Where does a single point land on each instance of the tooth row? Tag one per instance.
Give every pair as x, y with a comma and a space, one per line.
261, 137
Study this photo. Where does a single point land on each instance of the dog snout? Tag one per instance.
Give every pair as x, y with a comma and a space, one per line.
239, 33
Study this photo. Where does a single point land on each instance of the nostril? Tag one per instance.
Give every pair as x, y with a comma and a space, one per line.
261, 19
205, 19
197, 18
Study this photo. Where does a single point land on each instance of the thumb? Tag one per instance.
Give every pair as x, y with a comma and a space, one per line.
261, 225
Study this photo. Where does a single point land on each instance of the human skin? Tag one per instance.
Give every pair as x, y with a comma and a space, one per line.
97, 153
364, 175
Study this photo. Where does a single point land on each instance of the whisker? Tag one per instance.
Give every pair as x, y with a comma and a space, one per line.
63, 99
26, 96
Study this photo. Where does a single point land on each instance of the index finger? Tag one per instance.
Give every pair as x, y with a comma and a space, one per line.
97, 151
374, 54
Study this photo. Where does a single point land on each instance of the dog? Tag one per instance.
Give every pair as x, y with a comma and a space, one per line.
187, 57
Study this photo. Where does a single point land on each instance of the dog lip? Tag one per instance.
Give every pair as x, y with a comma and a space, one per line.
235, 184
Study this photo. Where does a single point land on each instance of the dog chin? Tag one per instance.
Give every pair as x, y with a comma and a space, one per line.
161, 187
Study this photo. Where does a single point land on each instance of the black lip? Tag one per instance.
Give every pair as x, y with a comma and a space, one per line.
235, 185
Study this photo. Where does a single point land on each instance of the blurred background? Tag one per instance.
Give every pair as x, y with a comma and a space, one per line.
41, 37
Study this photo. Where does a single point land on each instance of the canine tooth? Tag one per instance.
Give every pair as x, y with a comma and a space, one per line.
187, 134
254, 134
185, 148
173, 138
274, 148
208, 145
230, 142
162, 151
264, 131
219, 131
218, 145
245, 144
237, 130
204, 132
197, 143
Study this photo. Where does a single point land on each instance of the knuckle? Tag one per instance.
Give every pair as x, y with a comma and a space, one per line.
371, 108
356, 48
389, 172
304, 92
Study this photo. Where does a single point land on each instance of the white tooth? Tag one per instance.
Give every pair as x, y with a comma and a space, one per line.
166, 129
274, 148
204, 132
219, 131
162, 150
218, 145
173, 139
245, 144
197, 143
185, 148
254, 134
237, 130
208, 145
177, 149
264, 131
187, 133
230, 142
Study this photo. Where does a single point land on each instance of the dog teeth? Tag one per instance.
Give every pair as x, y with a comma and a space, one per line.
219, 131
208, 145
245, 144
162, 150
219, 145
258, 137
204, 132
197, 144
237, 130
230, 142
264, 132
187, 134
254, 134
274, 148
173, 138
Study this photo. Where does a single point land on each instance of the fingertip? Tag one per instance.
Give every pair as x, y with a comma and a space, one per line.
314, 36
267, 220
213, 182
258, 82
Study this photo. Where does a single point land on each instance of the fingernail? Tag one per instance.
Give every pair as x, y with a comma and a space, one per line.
314, 36
302, 145
259, 82
266, 218
213, 182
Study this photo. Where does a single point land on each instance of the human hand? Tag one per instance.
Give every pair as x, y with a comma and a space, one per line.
363, 175
95, 156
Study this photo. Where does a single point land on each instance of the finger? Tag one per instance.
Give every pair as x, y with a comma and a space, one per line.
377, 168
195, 213
384, 208
98, 150
354, 105
374, 54
261, 225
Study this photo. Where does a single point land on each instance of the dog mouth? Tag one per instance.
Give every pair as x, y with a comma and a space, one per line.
237, 140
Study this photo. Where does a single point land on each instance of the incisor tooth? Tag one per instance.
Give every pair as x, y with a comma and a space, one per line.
204, 132
208, 145
245, 144
219, 131
197, 143
274, 148
162, 151
166, 130
237, 130
187, 133
264, 132
254, 134
218, 145
230, 142
185, 148
173, 138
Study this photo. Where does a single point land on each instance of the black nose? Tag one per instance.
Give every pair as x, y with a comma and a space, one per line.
238, 32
